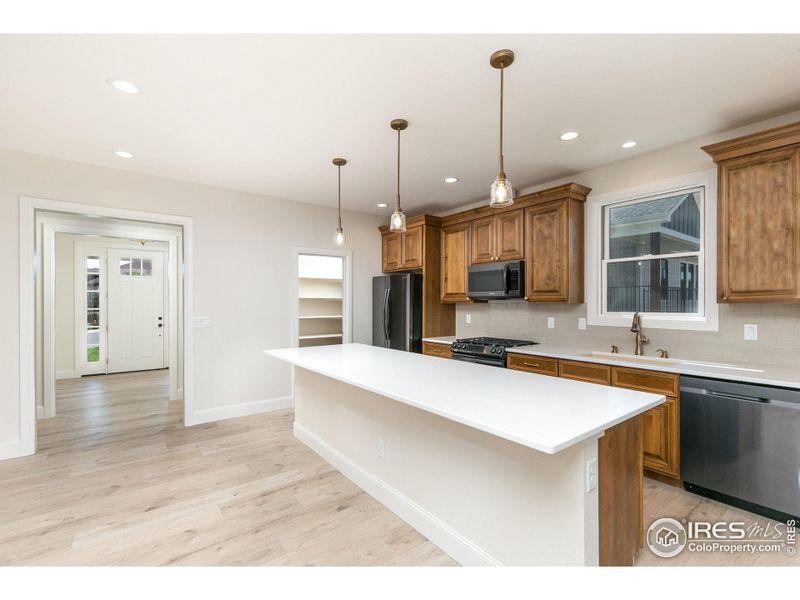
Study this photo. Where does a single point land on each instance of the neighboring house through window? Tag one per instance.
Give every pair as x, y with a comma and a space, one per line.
649, 254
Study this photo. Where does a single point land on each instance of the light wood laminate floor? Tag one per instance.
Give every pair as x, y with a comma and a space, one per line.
119, 480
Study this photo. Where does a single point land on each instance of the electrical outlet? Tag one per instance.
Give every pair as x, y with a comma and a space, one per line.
468, 318
381, 448
201, 322
581, 323
750, 331
551, 322
591, 474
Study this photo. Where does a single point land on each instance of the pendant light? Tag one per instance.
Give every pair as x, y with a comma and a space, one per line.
338, 236
398, 222
501, 193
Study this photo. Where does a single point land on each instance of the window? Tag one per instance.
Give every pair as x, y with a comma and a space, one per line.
650, 251
136, 267
92, 309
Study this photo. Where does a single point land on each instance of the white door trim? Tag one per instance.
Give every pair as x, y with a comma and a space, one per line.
28, 259
347, 292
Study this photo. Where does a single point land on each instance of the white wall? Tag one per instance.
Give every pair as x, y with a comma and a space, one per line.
242, 268
65, 293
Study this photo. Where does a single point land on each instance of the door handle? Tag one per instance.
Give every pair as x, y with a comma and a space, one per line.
506, 272
386, 315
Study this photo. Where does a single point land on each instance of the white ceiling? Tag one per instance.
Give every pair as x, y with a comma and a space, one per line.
267, 113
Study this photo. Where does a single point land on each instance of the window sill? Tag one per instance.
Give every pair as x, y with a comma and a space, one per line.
658, 321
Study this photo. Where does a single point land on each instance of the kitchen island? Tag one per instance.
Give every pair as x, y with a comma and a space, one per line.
494, 466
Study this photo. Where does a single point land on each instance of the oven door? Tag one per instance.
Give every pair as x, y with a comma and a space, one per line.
495, 281
492, 362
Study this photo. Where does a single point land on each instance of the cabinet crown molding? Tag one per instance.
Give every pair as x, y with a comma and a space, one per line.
416, 221
770, 139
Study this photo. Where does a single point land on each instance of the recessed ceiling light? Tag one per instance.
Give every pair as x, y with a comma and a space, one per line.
382, 205
123, 86
451, 179
629, 144
569, 135
123, 154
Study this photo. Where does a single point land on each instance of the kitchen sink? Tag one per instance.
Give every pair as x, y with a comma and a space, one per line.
632, 358
655, 361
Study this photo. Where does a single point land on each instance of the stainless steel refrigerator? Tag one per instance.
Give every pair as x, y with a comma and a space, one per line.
397, 311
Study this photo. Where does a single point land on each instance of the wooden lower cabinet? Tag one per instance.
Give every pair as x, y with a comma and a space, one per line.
434, 349
581, 371
533, 364
660, 425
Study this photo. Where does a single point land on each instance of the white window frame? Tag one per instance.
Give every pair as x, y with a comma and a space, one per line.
708, 317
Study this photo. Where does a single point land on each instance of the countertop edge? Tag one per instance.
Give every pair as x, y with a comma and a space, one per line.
596, 432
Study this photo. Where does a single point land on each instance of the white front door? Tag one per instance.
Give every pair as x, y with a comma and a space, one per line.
136, 320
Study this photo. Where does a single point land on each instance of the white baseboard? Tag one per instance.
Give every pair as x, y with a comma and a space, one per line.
458, 547
66, 374
239, 410
10, 449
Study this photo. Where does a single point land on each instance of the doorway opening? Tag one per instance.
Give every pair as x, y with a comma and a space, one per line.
103, 297
322, 310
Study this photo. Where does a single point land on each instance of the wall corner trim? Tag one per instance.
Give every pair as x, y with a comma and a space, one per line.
12, 449
244, 409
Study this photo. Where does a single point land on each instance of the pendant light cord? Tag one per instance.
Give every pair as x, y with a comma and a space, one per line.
339, 168
502, 71
398, 169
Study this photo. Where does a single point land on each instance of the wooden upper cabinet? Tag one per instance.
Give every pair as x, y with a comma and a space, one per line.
758, 216
482, 239
497, 237
412, 248
455, 258
392, 251
554, 252
403, 251
509, 239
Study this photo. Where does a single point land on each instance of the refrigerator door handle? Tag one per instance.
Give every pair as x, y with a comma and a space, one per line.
386, 314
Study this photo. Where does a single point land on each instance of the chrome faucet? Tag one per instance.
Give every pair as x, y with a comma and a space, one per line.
636, 327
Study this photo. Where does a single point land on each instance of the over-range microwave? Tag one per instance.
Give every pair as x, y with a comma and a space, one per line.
496, 281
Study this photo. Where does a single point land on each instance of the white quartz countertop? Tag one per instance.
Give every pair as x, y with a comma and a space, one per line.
448, 339
777, 376
544, 413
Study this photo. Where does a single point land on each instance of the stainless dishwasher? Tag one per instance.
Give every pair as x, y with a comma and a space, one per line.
740, 444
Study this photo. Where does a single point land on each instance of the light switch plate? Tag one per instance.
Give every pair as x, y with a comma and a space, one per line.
750, 331
581, 323
468, 317
201, 322
551, 322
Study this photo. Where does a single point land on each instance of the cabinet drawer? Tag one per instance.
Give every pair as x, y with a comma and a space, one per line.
533, 364
582, 371
646, 381
434, 349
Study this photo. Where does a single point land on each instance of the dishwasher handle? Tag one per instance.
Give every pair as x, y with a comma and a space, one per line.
754, 399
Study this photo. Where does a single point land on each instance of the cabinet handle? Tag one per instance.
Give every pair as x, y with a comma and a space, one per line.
527, 364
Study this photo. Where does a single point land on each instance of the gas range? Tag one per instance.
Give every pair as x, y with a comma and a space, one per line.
485, 350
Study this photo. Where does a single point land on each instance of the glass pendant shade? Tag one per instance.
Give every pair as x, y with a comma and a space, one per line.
501, 193
398, 221
339, 238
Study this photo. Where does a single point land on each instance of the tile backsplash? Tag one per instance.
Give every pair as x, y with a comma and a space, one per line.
778, 341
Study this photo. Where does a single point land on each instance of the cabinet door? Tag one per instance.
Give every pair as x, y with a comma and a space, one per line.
660, 438
455, 256
392, 251
508, 235
482, 240
759, 213
546, 252
412, 248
